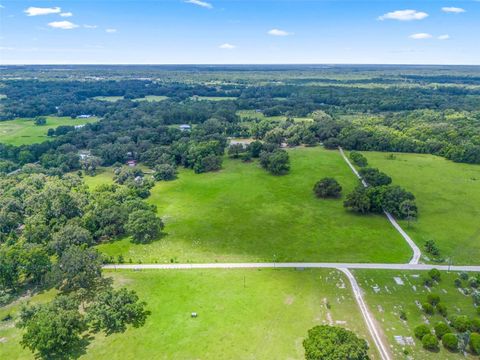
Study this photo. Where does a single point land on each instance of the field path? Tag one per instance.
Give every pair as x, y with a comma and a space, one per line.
416, 251
373, 328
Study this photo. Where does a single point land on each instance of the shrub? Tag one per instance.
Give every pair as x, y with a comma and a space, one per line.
430, 342
428, 308
458, 282
461, 323
433, 299
332, 342
442, 309
427, 282
450, 341
464, 275
431, 248
473, 282
421, 330
276, 162
403, 315
434, 274
475, 325
165, 172
441, 329
358, 159
327, 188
475, 343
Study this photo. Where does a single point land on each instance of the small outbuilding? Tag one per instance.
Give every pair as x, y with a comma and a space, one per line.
185, 127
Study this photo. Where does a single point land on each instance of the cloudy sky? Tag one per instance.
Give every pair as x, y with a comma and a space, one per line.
241, 31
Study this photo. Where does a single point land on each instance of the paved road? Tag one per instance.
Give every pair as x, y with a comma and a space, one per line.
374, 330
294, 265
416, 251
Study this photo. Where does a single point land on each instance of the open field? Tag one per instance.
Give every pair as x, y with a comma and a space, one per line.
386, 299
448, 197
252, 114
149, 98
242, 213
213, 98
242, 314
23, 131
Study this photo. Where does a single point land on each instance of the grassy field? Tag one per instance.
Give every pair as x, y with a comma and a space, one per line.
252, 114
23, 131
242, 213
386, 299
149, 98
242, 314
213, 98
108, 98
448, 197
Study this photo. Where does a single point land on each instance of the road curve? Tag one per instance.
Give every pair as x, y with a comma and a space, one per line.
293, 265
374, 330
416, 251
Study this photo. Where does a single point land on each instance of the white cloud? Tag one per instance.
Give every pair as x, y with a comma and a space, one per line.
86, 26
278, 32
200, 3
444, 37
420, 36
64, 25
2, 7
111, 31
452, 9
404, 15
227, 46
66, 14
36, 11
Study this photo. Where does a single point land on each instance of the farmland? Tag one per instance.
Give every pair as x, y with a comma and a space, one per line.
242, 213
242, 314
23, 131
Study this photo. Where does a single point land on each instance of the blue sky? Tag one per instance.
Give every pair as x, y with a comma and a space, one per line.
242, 31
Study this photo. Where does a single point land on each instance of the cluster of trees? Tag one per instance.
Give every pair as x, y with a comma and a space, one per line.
327, 188
48, 225
325, 342
380, 196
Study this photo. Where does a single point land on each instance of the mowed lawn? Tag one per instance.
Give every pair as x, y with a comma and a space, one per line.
242, 314
386, 298
448, 197
243, 213
23, 131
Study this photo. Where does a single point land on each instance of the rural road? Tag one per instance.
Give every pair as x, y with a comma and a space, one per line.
293, 265
416, 251
375, 331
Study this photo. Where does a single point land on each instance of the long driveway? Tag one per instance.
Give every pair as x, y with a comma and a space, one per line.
416, 251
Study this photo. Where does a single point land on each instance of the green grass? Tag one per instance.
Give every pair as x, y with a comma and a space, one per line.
108, 98
213, 98
23, 131
267, 318
448, 197
252, 114
152, 98
391, 298
243, 213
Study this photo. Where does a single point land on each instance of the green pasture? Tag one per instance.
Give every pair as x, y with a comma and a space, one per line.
448, 198
242, 314
243, 213
23, 131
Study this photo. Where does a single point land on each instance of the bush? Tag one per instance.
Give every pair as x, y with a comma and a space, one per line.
464, 275
473, 282
461, 323
276, 162
403, 315
430, 342
431, 248
458, 282
332, 342
428, 282
327, 188
165, 172
375, 177
428, 308
475, 343
358, 159
435, 274
254, 148
441, 329
421, 330
442, 309
450, 341
433, 299
475, 325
